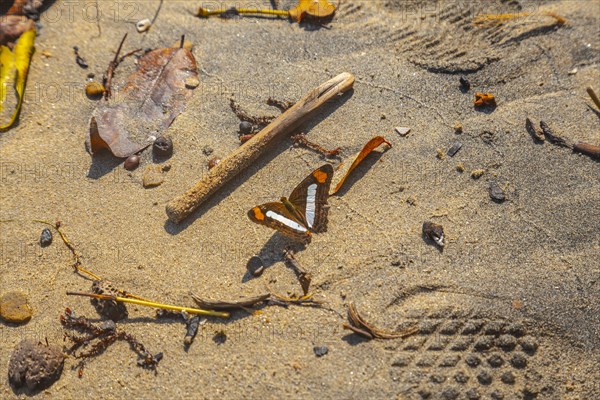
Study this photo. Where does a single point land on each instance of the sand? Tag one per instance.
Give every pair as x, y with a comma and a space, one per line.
516, 281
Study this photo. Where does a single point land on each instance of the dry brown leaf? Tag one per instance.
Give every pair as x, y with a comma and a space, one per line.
315, 9
363, 327
153, 96
344, 170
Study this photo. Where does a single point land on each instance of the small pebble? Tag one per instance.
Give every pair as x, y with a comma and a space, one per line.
94, 90
464, 83
454, 149
434, 232
192, 82
35, 366
402, 130
255, 266
320, 351
163, 146
14, 307
132, 162
213, 162
246, 127
46, 237
496, 192
143, 25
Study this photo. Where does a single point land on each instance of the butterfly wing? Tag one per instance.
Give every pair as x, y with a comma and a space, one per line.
276, 216
310, 198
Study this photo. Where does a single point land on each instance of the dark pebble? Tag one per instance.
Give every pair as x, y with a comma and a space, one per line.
461, 377
473, 394
529, 344
496, 192
472, 360
132, 162
46, 238
518, 360
320, 351
35, 366
454, 149
255, 266
483, 343
507, 378
163, 146
449, 393
484, 377
246, 127
506, 342
464, 83
495, 361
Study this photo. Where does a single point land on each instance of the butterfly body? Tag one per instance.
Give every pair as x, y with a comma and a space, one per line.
304, 212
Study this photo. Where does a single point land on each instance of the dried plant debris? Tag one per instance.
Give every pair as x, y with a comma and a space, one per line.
484, 100
593, 96
111, 309
35, 366
230, 304
314, 10
535, 133
552, 138
345, 169
497, 19
434, 232
306, 300
94, 339
18, 19
283, 105
154, 95
244, 116
361, 327
78, 59
301, 140
192, 323
587, 149
304, 277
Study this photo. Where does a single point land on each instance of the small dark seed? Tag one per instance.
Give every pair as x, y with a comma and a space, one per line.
163, 146
496, 192
46, 238
320, 351
255, 266
246, 127
131, 162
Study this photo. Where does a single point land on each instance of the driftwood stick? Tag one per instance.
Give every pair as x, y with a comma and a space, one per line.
182, 206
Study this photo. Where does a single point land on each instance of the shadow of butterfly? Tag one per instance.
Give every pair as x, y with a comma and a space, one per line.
304, 212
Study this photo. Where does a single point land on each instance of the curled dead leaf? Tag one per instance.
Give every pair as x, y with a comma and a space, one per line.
153, 96
345, 169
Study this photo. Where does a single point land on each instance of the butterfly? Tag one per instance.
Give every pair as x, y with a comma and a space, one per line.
304, 212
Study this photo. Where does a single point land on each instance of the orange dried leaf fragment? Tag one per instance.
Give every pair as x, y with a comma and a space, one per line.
315, 9
484, 100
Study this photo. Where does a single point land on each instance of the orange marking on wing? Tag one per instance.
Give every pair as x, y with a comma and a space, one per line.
320, 176
258, 214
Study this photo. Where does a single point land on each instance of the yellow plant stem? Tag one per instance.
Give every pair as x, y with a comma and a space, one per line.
205, 12
198, 311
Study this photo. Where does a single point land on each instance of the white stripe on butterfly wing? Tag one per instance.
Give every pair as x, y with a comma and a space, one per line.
285, 221
311, 196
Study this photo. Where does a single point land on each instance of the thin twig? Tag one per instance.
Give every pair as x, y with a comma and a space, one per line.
155, 14
111, 69
594, 97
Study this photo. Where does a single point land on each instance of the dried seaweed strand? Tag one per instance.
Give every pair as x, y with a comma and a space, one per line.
359, 323
301, 140
304, 277
99, 339
554, 139
244, 116
282, 105
305, 300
